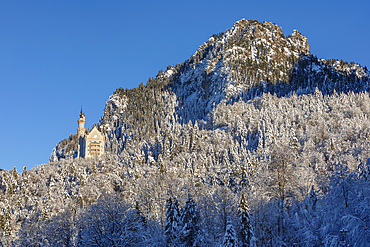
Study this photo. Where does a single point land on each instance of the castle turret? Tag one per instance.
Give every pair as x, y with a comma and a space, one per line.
81, 124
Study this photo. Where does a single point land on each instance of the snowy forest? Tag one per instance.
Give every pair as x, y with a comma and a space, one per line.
252, 141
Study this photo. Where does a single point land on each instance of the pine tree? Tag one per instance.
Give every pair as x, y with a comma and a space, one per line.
313, 198
364, 170
172, 220
24, 171
190, 220
140, 218
230, 239
15, 173
79, 240
246, 229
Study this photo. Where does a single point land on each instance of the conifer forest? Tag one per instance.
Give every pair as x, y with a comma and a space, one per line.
252, 141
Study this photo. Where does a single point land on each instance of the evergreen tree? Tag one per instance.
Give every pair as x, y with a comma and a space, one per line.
364, 170
172, 221
190, 220
246, 228
79, 240
312, 199
230, 239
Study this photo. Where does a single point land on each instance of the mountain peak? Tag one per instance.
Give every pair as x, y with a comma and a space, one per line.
300, 41
248, 53
262, 43
254, 30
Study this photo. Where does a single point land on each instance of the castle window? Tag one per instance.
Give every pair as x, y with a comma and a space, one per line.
94, 148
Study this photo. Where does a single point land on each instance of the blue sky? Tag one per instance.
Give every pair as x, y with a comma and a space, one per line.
58, 55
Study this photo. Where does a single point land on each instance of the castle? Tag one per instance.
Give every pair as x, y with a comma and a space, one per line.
89, 145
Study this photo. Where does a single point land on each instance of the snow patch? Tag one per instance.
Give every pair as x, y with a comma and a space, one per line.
169, 73
191, 97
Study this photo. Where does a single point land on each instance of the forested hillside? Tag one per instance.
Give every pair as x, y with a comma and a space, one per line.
252, 140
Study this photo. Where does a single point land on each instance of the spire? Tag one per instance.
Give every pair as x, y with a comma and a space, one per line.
81, 113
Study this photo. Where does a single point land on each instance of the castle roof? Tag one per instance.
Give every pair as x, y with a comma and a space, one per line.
95, 135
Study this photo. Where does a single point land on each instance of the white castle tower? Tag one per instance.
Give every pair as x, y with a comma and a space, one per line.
81, 124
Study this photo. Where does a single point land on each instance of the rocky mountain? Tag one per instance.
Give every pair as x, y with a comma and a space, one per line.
228, 65
251, 118
244, 62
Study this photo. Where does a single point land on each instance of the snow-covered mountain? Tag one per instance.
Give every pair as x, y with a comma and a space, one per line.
251, 121
247, 60
228, 65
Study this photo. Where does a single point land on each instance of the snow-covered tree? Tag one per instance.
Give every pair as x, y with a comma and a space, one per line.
172, 221
190, 222
312, 199
111, 222
60, 231
364, 170
246, 235
31, 233
230, 239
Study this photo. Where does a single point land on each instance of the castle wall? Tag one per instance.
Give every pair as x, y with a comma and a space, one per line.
94, 144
